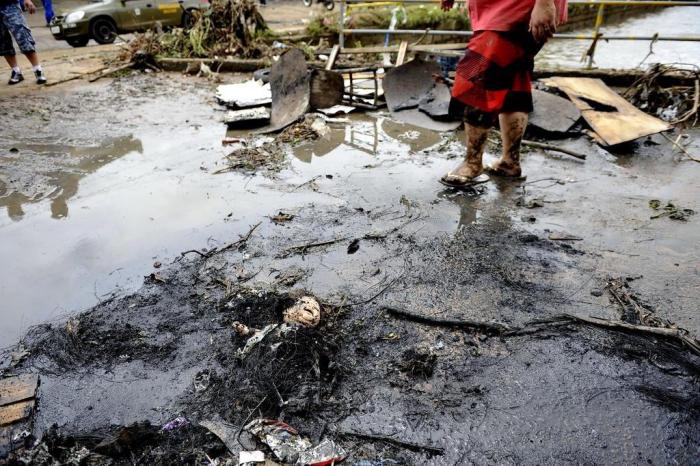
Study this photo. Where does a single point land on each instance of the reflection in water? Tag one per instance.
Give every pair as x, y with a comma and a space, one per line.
372, 135
61, 169
466, 201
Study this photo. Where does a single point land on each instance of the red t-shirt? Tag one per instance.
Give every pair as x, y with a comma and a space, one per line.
506, 15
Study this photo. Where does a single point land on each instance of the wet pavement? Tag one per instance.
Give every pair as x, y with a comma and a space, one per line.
89, 205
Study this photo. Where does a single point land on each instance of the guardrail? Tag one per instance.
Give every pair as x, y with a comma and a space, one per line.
595, 37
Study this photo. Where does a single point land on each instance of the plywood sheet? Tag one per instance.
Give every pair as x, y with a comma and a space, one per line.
613, 118
20, 388
15, 412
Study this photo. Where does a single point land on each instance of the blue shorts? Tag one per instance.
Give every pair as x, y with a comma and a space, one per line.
12, 22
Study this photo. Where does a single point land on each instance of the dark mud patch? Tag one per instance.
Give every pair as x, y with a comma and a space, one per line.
381, 386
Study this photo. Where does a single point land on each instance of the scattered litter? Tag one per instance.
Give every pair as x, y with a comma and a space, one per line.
248, 457
325, 453
247, 117
244, 95
419, 361
260, 335
226, 432
284, 441
337, 110
176, 423
306, 311
670, 210
282, 217
201, 380
242, 329
354, 246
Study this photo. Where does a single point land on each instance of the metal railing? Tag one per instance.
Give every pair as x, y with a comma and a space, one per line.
595, 37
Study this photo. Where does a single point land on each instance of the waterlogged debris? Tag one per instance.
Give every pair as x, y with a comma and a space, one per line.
670, 210
251, 457
325, 453
176, 423
282, 217
257, 338
284, 441
242, 329
226, 432
306, 311
244, 95
354, 246
337, 110
247, 117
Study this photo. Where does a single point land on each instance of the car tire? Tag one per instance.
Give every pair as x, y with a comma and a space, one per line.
307, 2
330, 4
188, 19
103, 30
78, 41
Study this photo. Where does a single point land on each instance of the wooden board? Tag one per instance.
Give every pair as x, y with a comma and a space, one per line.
401, 57
332, 58
552, 114
16, 412
613, 118
14, 389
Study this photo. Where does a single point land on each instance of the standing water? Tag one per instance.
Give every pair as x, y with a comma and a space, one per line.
677, 21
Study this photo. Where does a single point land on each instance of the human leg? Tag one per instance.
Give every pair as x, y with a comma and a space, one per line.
513, 126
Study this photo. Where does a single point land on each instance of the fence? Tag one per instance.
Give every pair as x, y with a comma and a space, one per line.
595, 36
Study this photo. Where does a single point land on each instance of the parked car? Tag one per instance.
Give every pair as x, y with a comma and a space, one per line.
103, 20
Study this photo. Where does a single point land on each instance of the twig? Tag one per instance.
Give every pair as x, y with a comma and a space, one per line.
72, 78
401, 443
243, 239
302, 248
682, 149
564, 238
541, 145
496, 327
111, 71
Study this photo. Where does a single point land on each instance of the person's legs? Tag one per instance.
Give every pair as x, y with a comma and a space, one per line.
14, 22
472, 165
11, 60
48, 10
33, 58
513, 126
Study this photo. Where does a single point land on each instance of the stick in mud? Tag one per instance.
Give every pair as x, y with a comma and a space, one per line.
399, 443
495, 327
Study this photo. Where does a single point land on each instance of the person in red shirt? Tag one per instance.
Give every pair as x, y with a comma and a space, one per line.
493, 79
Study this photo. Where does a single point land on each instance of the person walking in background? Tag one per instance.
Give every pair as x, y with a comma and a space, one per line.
493, 79
13, 24
48, 11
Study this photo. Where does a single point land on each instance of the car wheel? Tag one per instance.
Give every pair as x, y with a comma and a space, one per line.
307, 2
78, 41
103, 30
188, 19
330, 4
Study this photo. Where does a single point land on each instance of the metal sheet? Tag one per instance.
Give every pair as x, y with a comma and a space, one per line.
406, 86
289, 82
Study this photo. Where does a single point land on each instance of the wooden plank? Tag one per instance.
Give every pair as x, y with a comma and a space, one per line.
613, 118
403, 49
16, 412
14, 389
333, 56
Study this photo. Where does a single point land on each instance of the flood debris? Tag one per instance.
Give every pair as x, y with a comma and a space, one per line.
228, 28
552, 115
247, 94
412, 85
247, 117
306, 311
614, 120
251, 457
289, 447
672, 102
670, 210
419, 361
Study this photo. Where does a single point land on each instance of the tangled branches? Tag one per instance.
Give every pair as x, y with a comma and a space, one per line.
228, 28
675, 104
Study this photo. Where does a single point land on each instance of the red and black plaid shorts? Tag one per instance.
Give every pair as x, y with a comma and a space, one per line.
494, 76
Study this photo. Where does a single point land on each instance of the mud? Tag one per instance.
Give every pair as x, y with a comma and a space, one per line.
382, 386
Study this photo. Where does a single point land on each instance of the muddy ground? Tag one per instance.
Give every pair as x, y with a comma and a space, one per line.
520, 391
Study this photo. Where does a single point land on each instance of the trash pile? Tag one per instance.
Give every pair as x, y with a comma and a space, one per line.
228, 28
673, 103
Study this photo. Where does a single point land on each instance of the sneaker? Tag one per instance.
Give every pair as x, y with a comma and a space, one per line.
15, 77
40, 78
